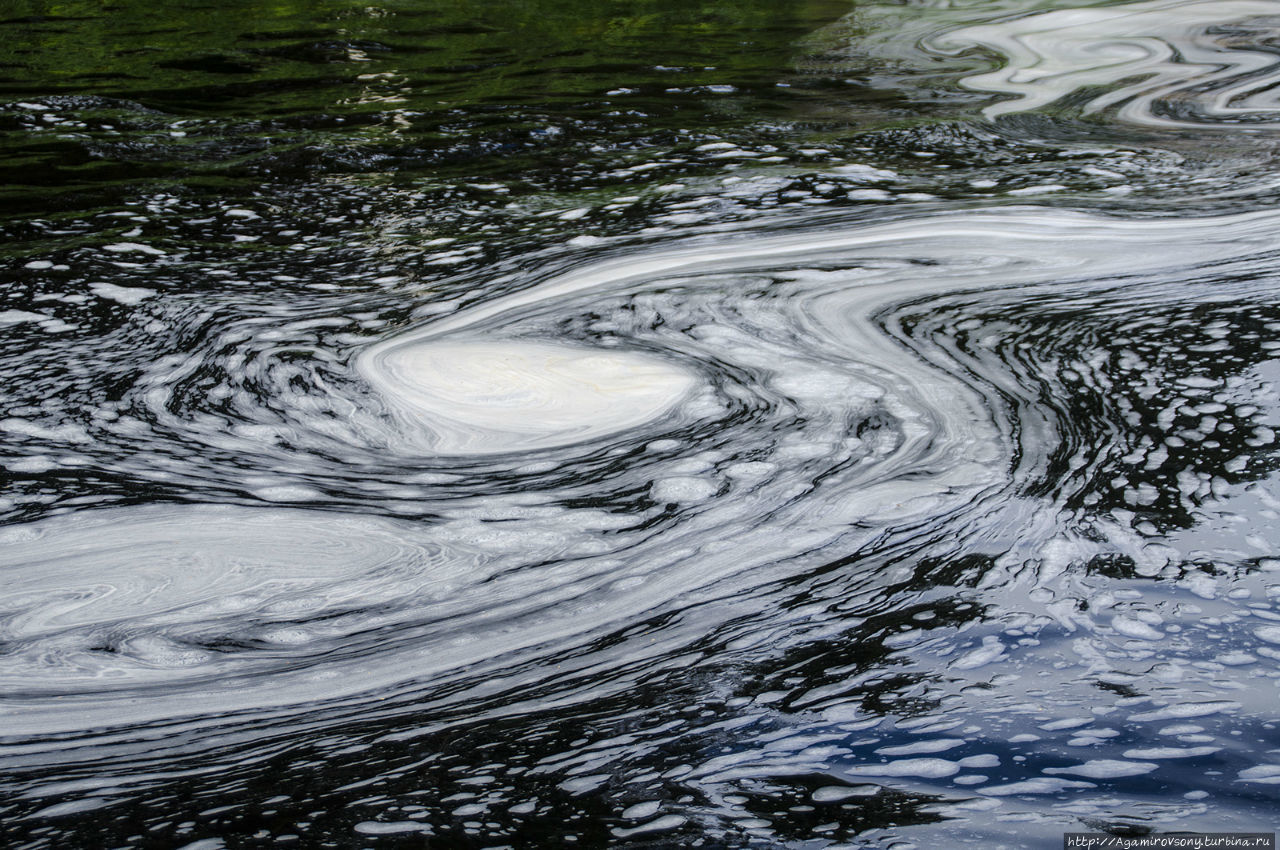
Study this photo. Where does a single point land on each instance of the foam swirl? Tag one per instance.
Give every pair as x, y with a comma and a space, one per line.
1164, 63
481, 397
862, 463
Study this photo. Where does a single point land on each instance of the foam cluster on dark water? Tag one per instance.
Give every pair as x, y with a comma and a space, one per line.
885, 500
1166, 63
767, 492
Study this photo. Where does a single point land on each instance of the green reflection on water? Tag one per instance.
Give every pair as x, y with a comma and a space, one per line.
227, 94
254, 58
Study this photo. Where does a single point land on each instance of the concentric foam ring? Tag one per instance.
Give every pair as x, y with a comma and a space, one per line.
517, 395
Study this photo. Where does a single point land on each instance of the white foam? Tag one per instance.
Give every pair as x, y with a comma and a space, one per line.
1185, 710
1106, 769
1131, 627
838, 793
401, 827
1169, 752
640, 811
1263, 774
992, 650
659, 824
14, 317
682, 490
1139, 53
936, 745
517, 395
128, 295
1270, 634
1038, 785
925, 768
132, 247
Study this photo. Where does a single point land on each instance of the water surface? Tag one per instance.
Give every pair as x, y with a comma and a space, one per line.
705, 424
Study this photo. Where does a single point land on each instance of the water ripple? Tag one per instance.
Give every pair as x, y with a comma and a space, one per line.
866, 389
1164, 63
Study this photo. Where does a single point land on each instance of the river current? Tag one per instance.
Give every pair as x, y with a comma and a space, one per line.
552, 425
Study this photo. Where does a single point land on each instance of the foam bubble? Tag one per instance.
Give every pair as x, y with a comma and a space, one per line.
518, 395
1106, 768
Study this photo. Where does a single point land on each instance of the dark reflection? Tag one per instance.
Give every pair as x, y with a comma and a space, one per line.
823, 666
253, 91
789, 802
545, 777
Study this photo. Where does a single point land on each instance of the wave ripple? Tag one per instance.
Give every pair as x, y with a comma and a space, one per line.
1165, 63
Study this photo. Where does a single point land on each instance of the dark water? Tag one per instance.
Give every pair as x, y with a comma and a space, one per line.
652, 424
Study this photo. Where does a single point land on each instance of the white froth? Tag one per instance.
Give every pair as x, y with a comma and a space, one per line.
937, 745
1189, 709
927, 768
1038, 785
127, 295
1270, 634
130, 597
1265, 774
517, 395
1170, 752
1106, 768
839, 793
639, 811
1138, 53
518, 578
